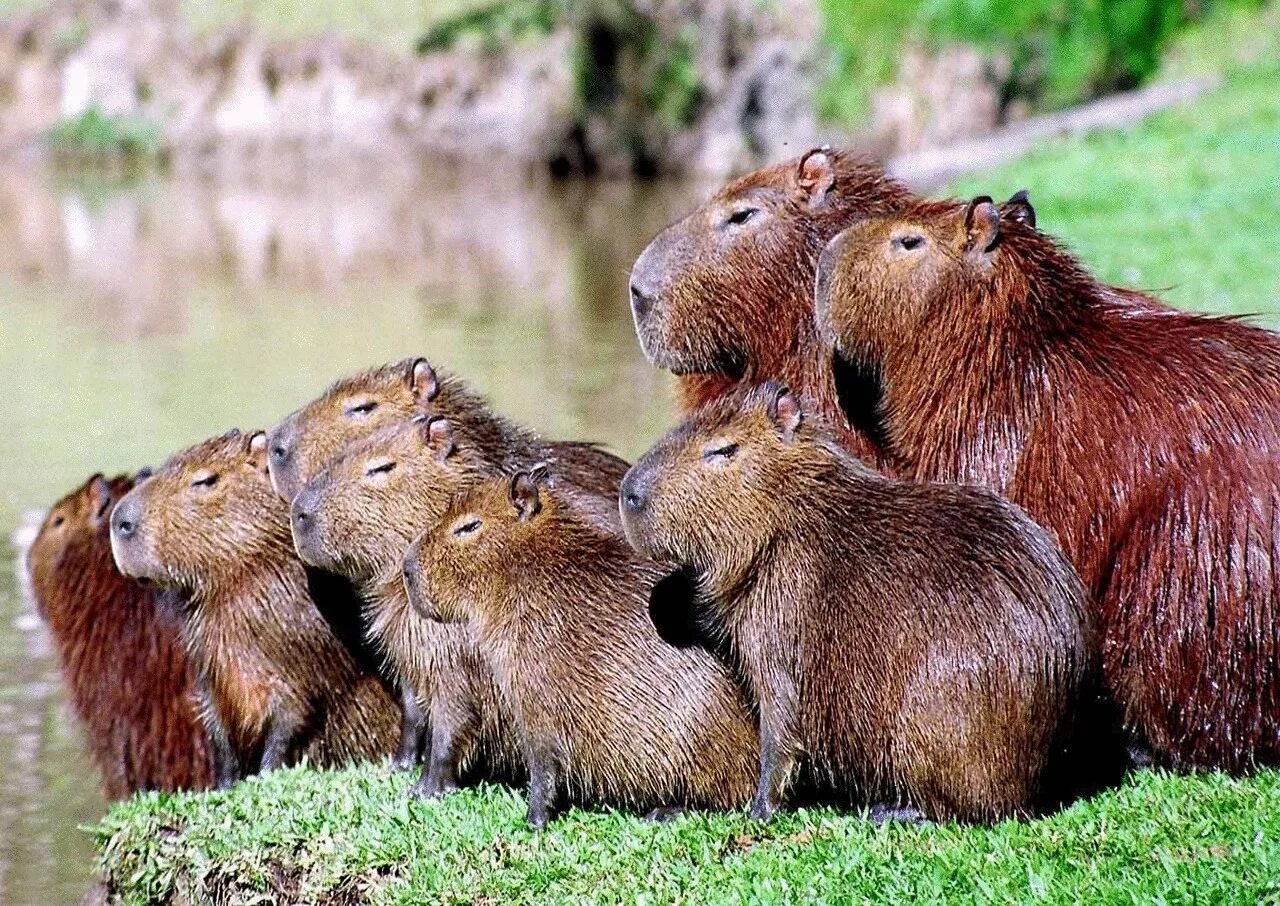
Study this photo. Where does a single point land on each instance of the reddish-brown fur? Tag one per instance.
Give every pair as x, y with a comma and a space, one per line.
120, 650
718, 302
558, 605
280, 682
920, 645
1146, 438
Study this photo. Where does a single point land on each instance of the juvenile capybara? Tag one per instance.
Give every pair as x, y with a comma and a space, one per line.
559, 606
120, 651
726, 294
280, 683
1146, 438
356, 406
922, 646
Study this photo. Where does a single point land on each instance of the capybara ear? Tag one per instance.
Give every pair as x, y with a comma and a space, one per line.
255, 448
99, 496
437, 434
422, 380
816, 175
981, 228
143, 474
1018, 208
523, 494
785, 411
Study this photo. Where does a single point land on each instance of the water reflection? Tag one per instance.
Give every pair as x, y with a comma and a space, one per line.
139, 314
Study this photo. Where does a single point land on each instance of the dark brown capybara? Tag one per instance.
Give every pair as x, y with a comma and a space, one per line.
281, 684
120, 651
1146, 438
559, 606
356, 406
921, 645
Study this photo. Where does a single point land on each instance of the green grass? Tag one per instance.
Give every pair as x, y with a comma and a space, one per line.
305, 836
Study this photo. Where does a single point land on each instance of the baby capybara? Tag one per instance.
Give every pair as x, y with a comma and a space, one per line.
280, 683
356, 406
923, 645
1146, 438
120, 650
559, 606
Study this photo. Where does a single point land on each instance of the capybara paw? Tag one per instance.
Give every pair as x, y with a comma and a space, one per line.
665, 813
762, 809
538, 818
908, 814
401, 762
431, 788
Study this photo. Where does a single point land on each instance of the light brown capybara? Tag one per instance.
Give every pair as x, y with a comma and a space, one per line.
559, 606
918, 645
281, 684
120, 651
1146, 438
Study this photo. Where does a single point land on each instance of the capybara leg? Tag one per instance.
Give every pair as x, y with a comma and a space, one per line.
453, 734
544, 776
281, 732
226, 760
776, 761
414, 733
909, 814
665, 813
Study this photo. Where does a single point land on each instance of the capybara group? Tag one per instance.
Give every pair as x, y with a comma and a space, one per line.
1147, 439
924, 646
558, 604
120, 649
281, 684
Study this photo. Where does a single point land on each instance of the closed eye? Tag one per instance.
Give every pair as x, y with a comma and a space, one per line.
466, 528
205, 481
742, 215
362, 408
57, 521
381, 468
909, 243
726, 452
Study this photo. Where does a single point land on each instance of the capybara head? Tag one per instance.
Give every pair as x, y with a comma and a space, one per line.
887, 280
725, 480
204, 511
351, 409
728, 289
357, 516
74, 522
483, 547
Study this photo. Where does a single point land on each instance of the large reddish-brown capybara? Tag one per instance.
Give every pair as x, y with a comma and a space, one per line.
120, 651
281, 684
1147, 438
726, 294
923, 646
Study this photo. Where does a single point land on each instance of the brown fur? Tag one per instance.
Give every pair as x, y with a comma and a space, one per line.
718, 302
1147, 439
923, 645
120, 650
558, 604
281, 683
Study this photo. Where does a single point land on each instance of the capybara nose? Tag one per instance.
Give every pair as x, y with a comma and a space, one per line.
632, 494
124, 522
641, 302
279, 452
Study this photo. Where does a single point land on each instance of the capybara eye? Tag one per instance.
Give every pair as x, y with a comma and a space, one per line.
380, 468
723, 453
467, 528
362, 408
742, 215
909, 243
58, 520
205, 480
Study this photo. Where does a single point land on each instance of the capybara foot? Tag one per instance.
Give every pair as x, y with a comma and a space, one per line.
762, 809
665, 813
538, 818
907, 814
432, 788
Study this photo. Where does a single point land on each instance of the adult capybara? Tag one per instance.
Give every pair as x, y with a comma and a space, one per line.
281, 684
559, 606
1146, 438
726, 294
120, 650
923, 645
356, 406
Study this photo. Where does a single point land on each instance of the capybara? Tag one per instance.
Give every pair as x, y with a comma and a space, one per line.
559, 606
726, 294
208, 524
356, 406
1146, 438
921, 645
120, 650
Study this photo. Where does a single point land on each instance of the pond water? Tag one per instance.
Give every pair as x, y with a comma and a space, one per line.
141, 314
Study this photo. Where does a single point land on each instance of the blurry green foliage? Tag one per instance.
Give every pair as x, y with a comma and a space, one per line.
94, 133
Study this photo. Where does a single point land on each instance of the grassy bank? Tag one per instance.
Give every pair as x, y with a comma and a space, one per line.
1187, 199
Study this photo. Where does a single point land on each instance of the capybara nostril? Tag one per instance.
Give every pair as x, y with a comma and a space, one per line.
632, 494
124, 523
279, 452
641, 302
634, 502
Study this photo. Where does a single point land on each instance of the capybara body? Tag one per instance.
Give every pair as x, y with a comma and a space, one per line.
280, 683
558, 604
1146, 438
921, 645
725, 295
120, 650
358, 405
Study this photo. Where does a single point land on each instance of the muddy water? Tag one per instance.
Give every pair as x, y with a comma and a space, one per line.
139, 314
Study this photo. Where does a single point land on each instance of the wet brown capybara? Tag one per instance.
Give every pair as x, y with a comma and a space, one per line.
1146, 438
281, 684
559, 606
120, 651
356, 406
921, 645
725, 295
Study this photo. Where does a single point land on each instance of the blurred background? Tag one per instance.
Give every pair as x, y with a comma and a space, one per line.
211, 208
